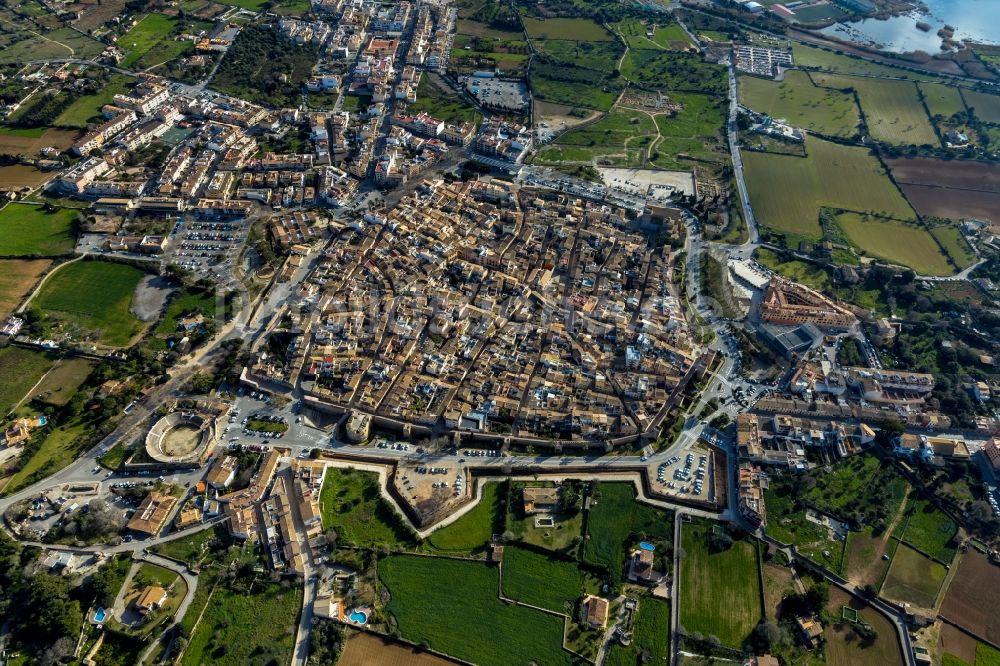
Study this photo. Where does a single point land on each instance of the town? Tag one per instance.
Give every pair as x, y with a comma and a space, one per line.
467, 332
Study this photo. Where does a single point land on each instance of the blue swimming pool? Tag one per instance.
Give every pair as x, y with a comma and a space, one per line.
358, 617
645, 545
100, 615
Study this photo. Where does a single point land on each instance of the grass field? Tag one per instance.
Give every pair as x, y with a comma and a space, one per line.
942, 100
562, 537
985, 106
789, 524
543, 581
20, 369
239, 628
601, 56
87, 108
955, 245
650, 636
473, 530
566, 28
896, 242
144, 35
831, 175
892, 108
59, 448
670, 36
863, 563
844, 647
913, 578
27, 230
720, 592
673, 71
930, 530
17, 277
94, 296
453, 605
186, 549
61, 383
572, 93
693, 133
441, 103
801, 103
622, 137
615, 519
354, 508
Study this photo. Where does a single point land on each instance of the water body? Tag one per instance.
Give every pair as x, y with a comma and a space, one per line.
974, 20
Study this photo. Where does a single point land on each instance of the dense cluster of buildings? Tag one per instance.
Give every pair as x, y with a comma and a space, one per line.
511, 311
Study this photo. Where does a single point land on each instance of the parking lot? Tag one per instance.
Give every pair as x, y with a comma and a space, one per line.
688, 474
207, 247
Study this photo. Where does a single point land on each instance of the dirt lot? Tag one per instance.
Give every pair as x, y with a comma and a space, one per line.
95, 15
17, 277
28, 145
150, 296
430, 486
368, 650
953, 189
16, 176
972, 600
957, 642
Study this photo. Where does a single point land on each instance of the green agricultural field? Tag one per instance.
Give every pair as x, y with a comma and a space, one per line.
454, 607
830, 175
896, 242
241, 628
985, 106
954, 243
942, 100
801, 103
541, 580
720, 592
93, 297
913, 578
693, 133
27, 230
187, 549
441, 103
566, 28
650, 635
615, 519
473, 530
352, 506
930, 530
892, 109
87, 108
144, 35
20, 369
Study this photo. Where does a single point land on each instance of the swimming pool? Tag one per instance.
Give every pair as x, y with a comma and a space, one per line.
358, 617
100, 615
645, 545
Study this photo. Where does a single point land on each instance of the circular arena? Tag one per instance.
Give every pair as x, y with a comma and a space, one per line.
179, 437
